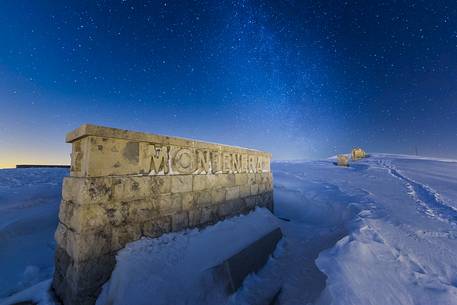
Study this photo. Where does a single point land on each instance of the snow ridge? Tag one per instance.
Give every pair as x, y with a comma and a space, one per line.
430, 200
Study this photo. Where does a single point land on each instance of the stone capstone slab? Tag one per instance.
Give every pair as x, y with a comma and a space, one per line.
101, 151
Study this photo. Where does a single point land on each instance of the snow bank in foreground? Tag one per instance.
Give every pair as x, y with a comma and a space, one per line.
380, 264
39, 294
174, 267
29, 203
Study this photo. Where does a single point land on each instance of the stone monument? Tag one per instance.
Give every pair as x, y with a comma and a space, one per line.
342, 160
358, 153
124, 185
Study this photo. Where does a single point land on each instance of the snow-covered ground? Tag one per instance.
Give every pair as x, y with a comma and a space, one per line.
383, 231
178, 266
29, 204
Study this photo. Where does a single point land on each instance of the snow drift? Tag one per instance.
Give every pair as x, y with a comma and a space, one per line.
29, 204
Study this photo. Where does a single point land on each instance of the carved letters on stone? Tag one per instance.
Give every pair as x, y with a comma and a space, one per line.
203, 161
166, 160
184, 161
159, 159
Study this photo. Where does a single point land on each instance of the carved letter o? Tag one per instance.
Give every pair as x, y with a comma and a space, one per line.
184, 161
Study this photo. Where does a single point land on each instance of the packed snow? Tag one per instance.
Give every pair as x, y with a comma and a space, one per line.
178, 266
382, 231
29, 204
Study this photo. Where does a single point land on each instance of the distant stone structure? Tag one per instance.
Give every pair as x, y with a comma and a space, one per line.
358, 153
124, 185
342, 160
41, 166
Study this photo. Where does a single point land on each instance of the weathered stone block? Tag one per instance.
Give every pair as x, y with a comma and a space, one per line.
181, 183
251, 178
143, 210
209, 215
120, 236
92, 190
232, 193
170, 203
254, 189
157, 226
73, 276
241, 179
117, 213
245, 190
131, 188
266, 200
203, 182
260, 178
160, 184
225, 209
70, 278
82, 218
195, 217
83, 246
262, 188
269, 186
188, 201
71, 188
203, 198
179, 221
250, 202
224, 180
268, 177
218, 195
112, 157
238, 206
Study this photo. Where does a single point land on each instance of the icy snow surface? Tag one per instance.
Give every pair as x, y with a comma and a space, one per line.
177, 266
29, 203
383, 231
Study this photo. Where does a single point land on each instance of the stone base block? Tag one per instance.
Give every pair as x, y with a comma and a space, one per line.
80, 282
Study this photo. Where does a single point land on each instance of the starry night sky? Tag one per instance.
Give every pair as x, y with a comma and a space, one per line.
301, 79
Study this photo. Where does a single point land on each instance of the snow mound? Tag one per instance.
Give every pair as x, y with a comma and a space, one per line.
176, 266
29, 204
401, 248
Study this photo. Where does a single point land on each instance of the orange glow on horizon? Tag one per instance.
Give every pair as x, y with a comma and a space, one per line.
11, 160
7, 165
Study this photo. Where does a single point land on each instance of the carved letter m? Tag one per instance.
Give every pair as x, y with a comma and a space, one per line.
159, 159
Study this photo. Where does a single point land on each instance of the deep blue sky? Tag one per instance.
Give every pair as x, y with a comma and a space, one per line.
301, 79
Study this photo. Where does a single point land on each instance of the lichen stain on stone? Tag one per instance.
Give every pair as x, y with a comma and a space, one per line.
135, 186
132, 152
100, 147
117, 164
97, 190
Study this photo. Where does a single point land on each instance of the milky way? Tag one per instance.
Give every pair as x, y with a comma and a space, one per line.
300, 79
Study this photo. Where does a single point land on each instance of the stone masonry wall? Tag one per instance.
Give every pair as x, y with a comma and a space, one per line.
124, 185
